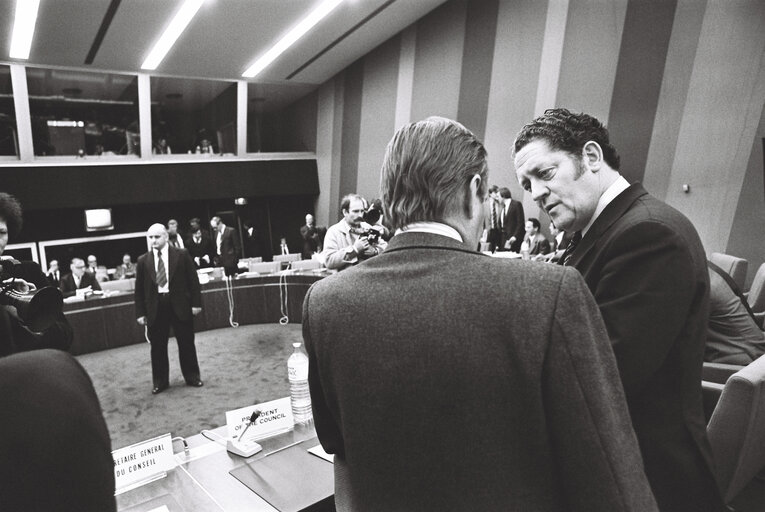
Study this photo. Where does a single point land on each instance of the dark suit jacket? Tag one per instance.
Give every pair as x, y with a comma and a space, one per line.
229, 247
310, 236
56, 451
461, 402
68, 288
185, 291
646, 267
514, 224
538, 245
206, 247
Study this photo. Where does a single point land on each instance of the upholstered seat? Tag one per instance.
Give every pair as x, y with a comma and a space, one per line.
736, 431
735, 267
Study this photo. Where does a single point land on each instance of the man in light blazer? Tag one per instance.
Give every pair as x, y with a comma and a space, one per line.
167, 293
456, 401
646, 267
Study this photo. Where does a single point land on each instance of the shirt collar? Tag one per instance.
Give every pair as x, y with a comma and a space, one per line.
435, 228
616, 188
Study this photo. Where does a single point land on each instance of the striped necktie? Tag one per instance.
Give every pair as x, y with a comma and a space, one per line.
570, 248
161, 274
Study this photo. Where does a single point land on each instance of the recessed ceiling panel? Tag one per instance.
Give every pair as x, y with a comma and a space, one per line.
65, 31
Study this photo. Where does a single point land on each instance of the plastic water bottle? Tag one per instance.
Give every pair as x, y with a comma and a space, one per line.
297, 366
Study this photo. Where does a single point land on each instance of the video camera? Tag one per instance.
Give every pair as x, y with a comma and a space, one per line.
371, 216
38, 309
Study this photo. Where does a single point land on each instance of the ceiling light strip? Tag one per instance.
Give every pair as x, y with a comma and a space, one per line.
23, 28
340, 39
171, 33
292, 36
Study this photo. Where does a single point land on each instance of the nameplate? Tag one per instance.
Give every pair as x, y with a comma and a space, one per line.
275, 417
141, 463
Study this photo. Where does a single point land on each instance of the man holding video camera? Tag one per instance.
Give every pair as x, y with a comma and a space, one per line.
354, 238
20, 281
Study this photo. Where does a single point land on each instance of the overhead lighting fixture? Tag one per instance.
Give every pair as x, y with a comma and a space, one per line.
23, 28
171, 33
292, 36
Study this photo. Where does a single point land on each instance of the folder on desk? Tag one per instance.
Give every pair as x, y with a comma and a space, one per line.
289, 480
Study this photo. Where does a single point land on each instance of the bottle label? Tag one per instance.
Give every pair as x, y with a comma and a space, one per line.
298, 371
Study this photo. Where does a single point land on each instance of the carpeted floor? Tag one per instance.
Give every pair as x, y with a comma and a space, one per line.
240, 367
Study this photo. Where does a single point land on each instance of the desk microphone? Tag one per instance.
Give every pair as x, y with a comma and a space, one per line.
243, 448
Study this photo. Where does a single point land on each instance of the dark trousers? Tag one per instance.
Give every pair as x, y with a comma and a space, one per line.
494, 238
184, 335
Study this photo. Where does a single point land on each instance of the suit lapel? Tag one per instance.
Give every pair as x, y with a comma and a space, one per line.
172, 262
152, 269
608, 216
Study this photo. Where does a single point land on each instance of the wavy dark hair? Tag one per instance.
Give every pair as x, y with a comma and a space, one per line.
427, 170
567, 131
10, 212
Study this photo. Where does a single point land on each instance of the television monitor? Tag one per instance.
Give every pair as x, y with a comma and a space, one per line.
99, 219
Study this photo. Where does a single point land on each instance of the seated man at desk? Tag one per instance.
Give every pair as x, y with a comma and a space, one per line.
126, 270
79, 279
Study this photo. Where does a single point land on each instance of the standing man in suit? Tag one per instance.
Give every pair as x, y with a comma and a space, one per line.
310, 235
646, 267
200, 247
167, 293
54, 274
513, 220
173, 237
492, 224
79, 279
464, 406
227, 246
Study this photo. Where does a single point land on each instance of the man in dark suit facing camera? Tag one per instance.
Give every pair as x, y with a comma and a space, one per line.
167, 293
227, 245
646, 267
461, 403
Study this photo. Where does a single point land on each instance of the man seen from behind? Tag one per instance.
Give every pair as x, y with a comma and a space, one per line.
459, 402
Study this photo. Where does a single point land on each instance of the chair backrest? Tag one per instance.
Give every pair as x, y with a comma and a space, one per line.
287, 257
305, 265
268, 267
736, 429
756, 295
124, 285
734, 266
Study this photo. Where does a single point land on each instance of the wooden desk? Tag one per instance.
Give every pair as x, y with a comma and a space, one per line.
204, 484
109, 322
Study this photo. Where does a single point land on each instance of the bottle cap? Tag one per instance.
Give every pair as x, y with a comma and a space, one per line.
296, 345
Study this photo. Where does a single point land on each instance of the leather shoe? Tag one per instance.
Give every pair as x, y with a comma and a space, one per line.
159, 389
195, 383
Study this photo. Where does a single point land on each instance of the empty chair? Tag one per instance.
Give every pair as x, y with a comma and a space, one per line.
268, 267
305, 265
287, 257
734, 266
736, 432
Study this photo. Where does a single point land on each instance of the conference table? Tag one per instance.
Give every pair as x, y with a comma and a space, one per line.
109, 321
283, 477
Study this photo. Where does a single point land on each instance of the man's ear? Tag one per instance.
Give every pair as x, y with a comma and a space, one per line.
592, 155
475, 185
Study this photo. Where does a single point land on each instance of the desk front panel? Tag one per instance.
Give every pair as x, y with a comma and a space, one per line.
109, 322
